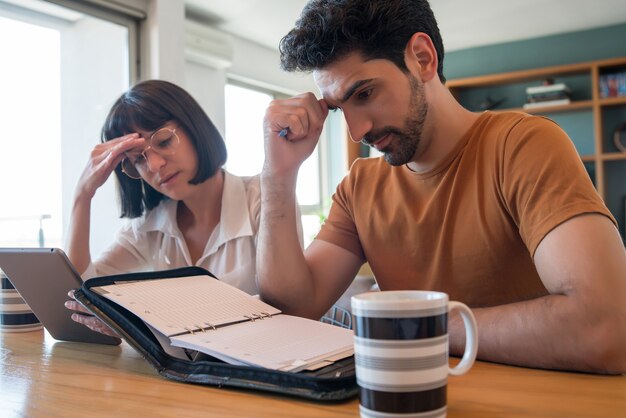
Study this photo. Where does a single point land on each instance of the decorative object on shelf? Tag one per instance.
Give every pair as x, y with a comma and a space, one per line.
613, 85
619, 137
547, 94
490, 103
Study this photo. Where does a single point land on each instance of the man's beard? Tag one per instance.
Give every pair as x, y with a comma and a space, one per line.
405, 141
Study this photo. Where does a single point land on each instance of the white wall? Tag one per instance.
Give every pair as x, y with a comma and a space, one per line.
163, 41
254, 62
206, 85
251, 63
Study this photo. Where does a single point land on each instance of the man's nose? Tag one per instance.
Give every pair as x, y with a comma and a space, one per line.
358, 125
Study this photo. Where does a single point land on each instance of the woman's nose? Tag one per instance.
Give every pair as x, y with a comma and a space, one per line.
154, 160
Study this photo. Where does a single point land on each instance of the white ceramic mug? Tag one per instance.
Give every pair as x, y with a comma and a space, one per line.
401, 351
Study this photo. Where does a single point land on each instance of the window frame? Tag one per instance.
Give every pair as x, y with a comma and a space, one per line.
130, 16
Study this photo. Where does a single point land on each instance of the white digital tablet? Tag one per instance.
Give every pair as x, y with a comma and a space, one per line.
43, 276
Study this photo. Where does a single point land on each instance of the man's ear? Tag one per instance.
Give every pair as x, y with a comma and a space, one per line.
420, 56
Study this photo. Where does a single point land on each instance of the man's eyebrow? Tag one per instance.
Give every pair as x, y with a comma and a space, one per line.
354, 88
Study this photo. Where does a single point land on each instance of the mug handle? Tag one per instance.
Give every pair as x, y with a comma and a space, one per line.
471, 338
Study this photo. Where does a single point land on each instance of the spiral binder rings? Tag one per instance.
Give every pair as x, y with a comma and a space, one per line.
194, 328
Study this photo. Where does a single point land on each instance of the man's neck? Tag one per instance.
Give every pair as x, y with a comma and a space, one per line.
446, 124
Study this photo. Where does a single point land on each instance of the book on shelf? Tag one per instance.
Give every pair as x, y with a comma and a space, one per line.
547, 88
547, 95
544, 97
546, 103
613, 85
207, 315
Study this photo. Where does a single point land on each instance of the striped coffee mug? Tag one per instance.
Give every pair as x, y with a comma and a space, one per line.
15, 314
401, 352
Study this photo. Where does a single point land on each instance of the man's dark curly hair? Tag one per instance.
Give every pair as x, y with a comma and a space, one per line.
328, 30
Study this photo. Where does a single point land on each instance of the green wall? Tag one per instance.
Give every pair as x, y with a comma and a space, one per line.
588, 45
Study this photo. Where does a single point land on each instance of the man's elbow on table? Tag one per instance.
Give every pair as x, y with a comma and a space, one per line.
606, 345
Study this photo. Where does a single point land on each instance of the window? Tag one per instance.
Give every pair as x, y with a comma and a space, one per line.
245, 109
66, 69
244, 129
30, 149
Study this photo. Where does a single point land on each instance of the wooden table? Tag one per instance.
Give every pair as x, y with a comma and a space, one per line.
40, 377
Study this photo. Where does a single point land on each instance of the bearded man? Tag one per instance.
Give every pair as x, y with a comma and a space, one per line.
495, 209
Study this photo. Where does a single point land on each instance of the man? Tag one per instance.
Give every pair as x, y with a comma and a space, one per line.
494, 209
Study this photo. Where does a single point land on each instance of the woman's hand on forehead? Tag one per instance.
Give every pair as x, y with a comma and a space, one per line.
130, 143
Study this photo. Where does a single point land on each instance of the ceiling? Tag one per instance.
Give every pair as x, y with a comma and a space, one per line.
463, 23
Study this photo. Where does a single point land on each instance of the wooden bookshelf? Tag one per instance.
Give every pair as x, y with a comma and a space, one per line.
588, 112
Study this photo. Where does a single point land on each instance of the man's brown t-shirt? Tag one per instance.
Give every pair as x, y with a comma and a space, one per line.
470, 226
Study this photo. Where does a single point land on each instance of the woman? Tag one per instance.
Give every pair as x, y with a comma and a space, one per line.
184, 208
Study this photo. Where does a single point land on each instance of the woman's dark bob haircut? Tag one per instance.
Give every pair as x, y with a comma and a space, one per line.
148, 106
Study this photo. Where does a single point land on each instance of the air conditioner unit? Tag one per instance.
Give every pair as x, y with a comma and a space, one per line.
205, 45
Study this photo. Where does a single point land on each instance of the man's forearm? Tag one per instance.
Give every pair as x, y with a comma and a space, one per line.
292, 129
551, 332
283, 276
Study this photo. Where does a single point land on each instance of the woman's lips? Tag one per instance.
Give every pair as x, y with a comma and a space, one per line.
168, 179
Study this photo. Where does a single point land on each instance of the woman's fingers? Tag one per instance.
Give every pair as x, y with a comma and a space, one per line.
110, 153
94, 324
77, 307
83, 316
103, 160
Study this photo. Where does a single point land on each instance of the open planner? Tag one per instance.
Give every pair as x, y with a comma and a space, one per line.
192, 328
204, 314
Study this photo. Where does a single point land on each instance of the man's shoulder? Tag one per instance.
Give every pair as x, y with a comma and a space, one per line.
369, 170
369, 165
371, 175
509, 120
503, 130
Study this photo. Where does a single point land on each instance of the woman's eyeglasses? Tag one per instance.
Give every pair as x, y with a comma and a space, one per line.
164, 142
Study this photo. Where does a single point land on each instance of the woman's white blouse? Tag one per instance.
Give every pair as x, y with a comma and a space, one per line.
154, 242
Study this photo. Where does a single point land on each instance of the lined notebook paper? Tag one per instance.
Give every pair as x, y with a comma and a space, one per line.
207, 315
